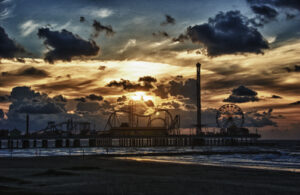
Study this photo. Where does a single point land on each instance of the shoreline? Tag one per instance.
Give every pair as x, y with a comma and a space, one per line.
293, 170
95, 174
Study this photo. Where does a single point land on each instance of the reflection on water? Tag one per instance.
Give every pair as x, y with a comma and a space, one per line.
287, 157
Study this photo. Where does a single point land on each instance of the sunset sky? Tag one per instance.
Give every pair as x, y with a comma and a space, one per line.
82, 59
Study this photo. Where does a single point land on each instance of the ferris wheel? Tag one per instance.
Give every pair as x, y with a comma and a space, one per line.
230, 115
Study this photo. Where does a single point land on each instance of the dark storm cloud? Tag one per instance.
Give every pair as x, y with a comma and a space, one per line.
168, 20
242, 94
42, 109
26, 100
60, 98
240, 99
130, 86
94, 97
265, 11
88, 107
293, 4
295, 103
64, 45
81, 99
228, 33
98, 28
4, 98
27, 71
82, 19
256, 119
243, 91
48, 108
290, 16
295, 68
8, 48
276, 97
186, 89
177, 87
161, 91
23, 92
149, 79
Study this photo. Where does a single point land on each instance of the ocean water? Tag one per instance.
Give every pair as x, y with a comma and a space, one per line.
277, 155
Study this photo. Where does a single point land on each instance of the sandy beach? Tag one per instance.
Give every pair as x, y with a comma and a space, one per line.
107, 175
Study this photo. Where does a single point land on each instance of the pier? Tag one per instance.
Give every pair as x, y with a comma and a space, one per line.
138, 141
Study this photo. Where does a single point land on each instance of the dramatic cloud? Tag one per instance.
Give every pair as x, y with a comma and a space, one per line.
8, 48
26, 100
81, 99
168, 20
295, 103
256, 119
48, 108
276, 97
264, 15
82, 19
20, 93
98, 28
60, 98
241, 95
94, 97
149, 79
228, 33
296, 68
88, 107
64, 45
42, 109
186, 89
161, 91
4, 98
265, 11
293, 4
130, 86
177, 87
27, 71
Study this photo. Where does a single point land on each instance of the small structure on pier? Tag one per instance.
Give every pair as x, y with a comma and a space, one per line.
159, 123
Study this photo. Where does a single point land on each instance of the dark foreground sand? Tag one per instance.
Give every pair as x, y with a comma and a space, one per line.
100, 175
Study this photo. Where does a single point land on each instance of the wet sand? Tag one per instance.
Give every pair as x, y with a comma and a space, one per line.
106, 175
